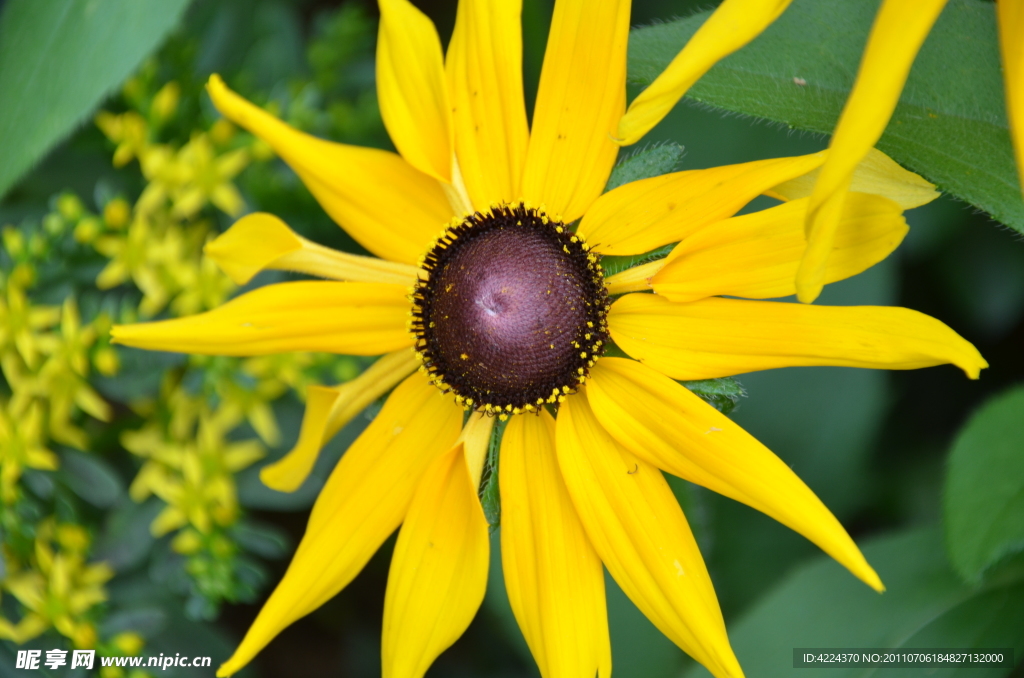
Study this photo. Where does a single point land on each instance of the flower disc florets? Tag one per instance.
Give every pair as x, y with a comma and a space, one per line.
510, 311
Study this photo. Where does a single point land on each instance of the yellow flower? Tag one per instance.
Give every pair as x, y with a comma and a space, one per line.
195, 477
507, 313
22, 324
22, 445
60, 588
899, 30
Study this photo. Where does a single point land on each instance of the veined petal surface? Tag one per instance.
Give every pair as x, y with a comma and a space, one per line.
328, 409
718, 337
644, 215
387, 205
665, 424
581, 97
899, 30
260, 241
731, 26
636, 526
484, 66
1010, 15
877, 174
438, 571
362, 503
335, 317
756, 255
553, 576
411, 88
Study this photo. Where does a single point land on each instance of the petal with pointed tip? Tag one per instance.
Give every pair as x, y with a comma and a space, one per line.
717, 337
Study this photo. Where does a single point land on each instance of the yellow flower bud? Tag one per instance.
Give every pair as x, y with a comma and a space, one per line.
117, 212
70, 207
128, 642
165, 102
88, 229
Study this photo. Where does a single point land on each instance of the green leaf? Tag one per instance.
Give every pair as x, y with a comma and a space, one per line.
265, 540
984, 496
644, 164
950, 125
91, 478
925, 605
58, 60
722, 394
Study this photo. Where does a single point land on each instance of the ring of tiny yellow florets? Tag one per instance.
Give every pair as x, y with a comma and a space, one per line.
591, 336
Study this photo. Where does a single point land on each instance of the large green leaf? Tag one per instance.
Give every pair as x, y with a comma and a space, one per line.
949, 126
926, 605
58, 60
984, 497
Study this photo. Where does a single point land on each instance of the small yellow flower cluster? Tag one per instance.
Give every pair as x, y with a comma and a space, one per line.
57, 588
46, 354
157, 242
190, 466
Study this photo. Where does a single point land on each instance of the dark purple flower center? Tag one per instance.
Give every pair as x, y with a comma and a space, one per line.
513, 312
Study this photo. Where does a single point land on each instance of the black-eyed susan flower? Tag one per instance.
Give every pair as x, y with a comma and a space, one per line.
507, 313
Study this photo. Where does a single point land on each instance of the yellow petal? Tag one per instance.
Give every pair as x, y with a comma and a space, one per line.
666, 425
553, 576
756, 255
643, 215
636, 526
260, 241
582, 94
362, 503
877, 174
475, 440
635, 279
485, 82
328, 409
336, 317
411, 88
387, 205
438, 571
717, 337
731, 26
1010, 14
899, 29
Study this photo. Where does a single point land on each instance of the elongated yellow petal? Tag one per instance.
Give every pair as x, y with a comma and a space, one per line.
362, 503
552, 573
756, 255
877, 174
646, 214
636, 526
635, 279
665, 424
899, 29
336, 317
328, 409
475, 440
261, 241
1010, 14
582, 96
717, 337
387, 205
731, 26
484, 66
439, 570
411, 88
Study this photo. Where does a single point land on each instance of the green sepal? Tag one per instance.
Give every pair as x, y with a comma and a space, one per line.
490, 496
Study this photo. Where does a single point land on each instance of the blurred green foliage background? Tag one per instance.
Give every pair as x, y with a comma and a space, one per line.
138, 472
